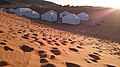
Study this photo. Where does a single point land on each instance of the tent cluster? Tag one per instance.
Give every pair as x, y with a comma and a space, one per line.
27, 12
52, 16
71, 18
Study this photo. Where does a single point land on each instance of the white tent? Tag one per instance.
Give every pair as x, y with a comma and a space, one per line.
49, 16
11, 10
65, 13
2, 9
71, 19
83, 16
32, 14
22, 11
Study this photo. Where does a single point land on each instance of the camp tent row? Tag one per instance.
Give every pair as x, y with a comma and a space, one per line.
51, 15
66, 17
27, 12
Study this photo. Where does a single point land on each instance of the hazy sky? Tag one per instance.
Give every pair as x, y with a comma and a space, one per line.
105, 3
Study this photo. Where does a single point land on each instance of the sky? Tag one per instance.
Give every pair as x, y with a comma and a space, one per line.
103, 3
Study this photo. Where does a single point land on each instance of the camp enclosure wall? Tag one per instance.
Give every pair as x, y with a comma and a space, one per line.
49, 16
71, 19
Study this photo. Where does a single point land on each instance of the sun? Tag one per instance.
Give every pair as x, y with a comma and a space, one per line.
117, 7
115, 4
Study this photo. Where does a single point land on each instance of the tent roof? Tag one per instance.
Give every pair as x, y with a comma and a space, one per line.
51, 12
83, 13
71, 16
23, 9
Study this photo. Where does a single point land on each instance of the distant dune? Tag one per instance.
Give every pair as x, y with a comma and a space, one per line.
28, 2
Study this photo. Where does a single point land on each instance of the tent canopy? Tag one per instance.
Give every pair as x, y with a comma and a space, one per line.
49, 16
83, 16
71, 19
64, 13
22, 11
32, 14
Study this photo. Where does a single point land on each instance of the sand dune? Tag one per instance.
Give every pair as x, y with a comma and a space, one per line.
24, 43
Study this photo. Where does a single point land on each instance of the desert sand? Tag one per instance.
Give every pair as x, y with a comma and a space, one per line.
34, 43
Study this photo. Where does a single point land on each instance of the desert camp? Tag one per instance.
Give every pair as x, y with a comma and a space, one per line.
59, 33
52, 16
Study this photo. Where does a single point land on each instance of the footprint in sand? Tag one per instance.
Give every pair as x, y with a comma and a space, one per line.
42, 54
54, 48
57, 44
96, 53
19, 32
73, 42
1, 31
35, 39
43, 61
44, 39
93, 60
55, 51
53, 41
68, 64
8, 48
26, 36
57, 38
41, 43
73, 49
63, 43
26, 48
2, 43
3, 63
52, 57
80, 47
87, 61
109, 65
49, 42
94, 57
48, 65
35, 34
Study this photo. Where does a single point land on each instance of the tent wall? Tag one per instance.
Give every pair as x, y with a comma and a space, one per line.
32, 14
35, 15
11, 10
83, 16
65, 13
49, 16
71, 19
22, 11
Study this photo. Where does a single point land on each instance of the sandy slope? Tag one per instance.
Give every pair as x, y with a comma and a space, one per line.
24, 43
